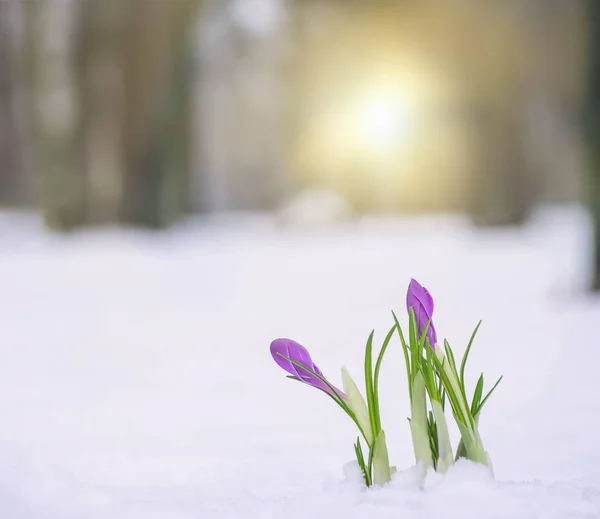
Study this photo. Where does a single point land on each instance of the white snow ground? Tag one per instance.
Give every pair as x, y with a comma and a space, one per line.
136, 380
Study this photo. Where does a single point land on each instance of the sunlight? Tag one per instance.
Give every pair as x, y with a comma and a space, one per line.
384, 122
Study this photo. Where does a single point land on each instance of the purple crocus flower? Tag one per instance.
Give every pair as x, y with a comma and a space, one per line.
419, 298
300, 354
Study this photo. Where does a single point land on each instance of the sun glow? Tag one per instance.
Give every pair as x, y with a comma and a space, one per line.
383, 122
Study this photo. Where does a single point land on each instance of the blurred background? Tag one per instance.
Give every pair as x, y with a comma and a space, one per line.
142, 112
182, 181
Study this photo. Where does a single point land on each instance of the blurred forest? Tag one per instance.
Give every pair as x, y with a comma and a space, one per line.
138, 112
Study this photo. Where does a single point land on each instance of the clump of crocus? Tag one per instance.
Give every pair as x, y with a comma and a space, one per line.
431, 372
296, 360
433, 369
429, 431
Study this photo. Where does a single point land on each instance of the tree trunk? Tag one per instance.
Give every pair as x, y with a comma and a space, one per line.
12, 174
501, 191
592, 127
155, 53
61, 182
496, 88
98, 78
111, 105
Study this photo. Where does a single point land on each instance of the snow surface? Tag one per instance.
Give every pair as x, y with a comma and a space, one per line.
136, 381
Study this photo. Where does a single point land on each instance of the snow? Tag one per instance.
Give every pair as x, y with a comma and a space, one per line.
136, 381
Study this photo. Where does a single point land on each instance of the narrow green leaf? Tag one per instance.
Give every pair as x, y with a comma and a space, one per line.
423, 337
360, 458
444, 449
466, 354
433, 439
477, 395
386, 342
406, 355
414, 342
333, 390
450, 356
372, 408
480, 407
337, 399
443, 376
454, 394
456, 384
417, 346
430, 375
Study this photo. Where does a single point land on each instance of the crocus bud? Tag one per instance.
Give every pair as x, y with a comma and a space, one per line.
419, 299
299, 354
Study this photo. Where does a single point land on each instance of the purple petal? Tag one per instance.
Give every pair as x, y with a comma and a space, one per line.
283, 347
299, 354
419, 295
427, 302
432, 335
411, 299
419, 298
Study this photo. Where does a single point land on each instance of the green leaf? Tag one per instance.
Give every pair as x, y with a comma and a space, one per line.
461, 450
386, 343
421, 445
423, 337
333, 395
333, 390
473, 446
466, 354
466, 434
433, 439
487, 396
449, 390
406, 355
444, 450
477, 395
430, 375
455, 385
381, 462
419, 426
357, 404
371, 405
360, 458
414, 342
450, 357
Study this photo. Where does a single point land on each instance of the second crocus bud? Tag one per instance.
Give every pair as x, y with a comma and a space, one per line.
419, 299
